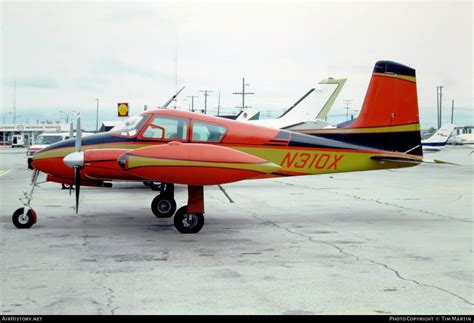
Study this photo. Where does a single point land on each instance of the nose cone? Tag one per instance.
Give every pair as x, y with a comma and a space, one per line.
74, 159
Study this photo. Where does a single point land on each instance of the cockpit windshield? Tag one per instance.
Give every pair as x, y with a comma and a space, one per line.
129, 127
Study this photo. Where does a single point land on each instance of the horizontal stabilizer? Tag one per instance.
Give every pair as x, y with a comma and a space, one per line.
408, 159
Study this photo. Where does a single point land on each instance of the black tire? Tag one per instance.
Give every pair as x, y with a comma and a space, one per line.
163, 206
27, 222
184, 224
147, 184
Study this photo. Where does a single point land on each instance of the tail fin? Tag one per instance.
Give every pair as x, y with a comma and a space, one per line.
391, 107
440, 138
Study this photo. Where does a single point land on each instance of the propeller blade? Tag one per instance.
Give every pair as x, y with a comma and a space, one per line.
71, 130
78, 133
77, 180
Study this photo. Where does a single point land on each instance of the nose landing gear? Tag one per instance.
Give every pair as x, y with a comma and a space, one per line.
25, 217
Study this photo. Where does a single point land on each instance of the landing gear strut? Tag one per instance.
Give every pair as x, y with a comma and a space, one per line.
164, 205
25, 217
190, 218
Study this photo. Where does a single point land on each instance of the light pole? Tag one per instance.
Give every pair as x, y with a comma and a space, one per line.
97, 116
68, 115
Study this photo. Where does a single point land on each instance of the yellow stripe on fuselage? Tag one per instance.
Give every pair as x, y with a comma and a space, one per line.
402, 128
314, 161
138, 161
63, 152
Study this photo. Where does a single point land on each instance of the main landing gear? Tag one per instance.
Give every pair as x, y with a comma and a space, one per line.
25, 217
164, 205
189, 218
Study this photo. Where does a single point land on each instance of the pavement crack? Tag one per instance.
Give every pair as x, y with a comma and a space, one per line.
343, 252
380, 202
110, 300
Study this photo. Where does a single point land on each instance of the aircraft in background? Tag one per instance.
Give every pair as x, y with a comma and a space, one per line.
464, 139
309, 111
179, 147
439, 139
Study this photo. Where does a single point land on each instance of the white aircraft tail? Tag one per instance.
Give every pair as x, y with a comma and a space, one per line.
439, 139
312, 106
248, 114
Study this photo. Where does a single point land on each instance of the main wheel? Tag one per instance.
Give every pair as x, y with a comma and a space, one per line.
24, 222
163, 206
188, 222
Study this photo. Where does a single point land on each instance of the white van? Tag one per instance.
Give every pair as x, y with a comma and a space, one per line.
18, 141
44, 140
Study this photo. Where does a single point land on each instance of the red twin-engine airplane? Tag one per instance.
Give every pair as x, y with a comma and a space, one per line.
177, 147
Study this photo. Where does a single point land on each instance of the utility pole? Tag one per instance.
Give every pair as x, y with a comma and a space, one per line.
243, 93
219, 104
97, 116
14, 103
437, 105
192, 101
440, 106
347, 103
176, 74
452, 111
206, 94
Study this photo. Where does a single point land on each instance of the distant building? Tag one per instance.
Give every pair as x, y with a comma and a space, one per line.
27, 133
463, 130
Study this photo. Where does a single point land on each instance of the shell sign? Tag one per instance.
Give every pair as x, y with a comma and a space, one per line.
122, 109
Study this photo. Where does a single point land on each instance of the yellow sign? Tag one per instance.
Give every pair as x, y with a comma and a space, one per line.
122, 109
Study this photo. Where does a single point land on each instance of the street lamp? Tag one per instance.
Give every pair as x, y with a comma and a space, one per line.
97, 116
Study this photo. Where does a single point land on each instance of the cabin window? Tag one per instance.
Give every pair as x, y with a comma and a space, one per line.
203, 131
167, 128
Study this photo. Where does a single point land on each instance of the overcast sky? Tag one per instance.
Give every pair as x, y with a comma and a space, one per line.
64, 55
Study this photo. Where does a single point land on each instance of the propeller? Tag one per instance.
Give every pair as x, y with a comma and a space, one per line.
71, 135
75, 160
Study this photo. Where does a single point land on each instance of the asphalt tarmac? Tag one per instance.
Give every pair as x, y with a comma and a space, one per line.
379, 242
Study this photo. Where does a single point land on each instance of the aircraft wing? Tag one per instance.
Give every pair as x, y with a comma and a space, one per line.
193, 164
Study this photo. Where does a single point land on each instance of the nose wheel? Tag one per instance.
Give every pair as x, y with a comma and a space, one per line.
24, 220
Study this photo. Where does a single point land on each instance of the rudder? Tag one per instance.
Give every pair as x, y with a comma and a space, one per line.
391, 107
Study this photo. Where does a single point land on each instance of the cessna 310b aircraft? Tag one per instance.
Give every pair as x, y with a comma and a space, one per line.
178, 147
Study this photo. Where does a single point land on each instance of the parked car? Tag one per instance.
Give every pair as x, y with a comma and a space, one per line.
44, 140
